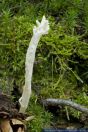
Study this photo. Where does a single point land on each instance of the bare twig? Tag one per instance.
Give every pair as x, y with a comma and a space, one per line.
55, 102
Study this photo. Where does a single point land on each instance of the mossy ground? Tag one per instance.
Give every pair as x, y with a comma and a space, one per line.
61, 65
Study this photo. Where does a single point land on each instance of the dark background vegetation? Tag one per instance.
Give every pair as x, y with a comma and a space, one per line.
61, 65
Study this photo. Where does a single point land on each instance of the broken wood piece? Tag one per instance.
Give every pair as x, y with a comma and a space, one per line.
12, 125
29, 118
5, 126
17, 125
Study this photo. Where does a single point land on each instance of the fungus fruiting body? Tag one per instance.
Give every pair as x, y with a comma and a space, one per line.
39, 30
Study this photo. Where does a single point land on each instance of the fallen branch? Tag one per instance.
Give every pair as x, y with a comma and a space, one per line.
56, 102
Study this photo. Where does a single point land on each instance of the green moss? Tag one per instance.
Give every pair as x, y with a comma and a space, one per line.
42, 118
61, 68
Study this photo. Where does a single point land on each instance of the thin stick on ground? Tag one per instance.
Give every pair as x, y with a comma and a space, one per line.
63, 102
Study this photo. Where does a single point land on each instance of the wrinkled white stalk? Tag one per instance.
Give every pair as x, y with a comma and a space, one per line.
30, 57
42, 28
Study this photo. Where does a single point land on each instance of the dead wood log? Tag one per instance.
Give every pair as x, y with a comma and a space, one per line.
10, 118
62, 102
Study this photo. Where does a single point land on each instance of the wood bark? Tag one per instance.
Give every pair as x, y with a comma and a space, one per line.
10, 118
